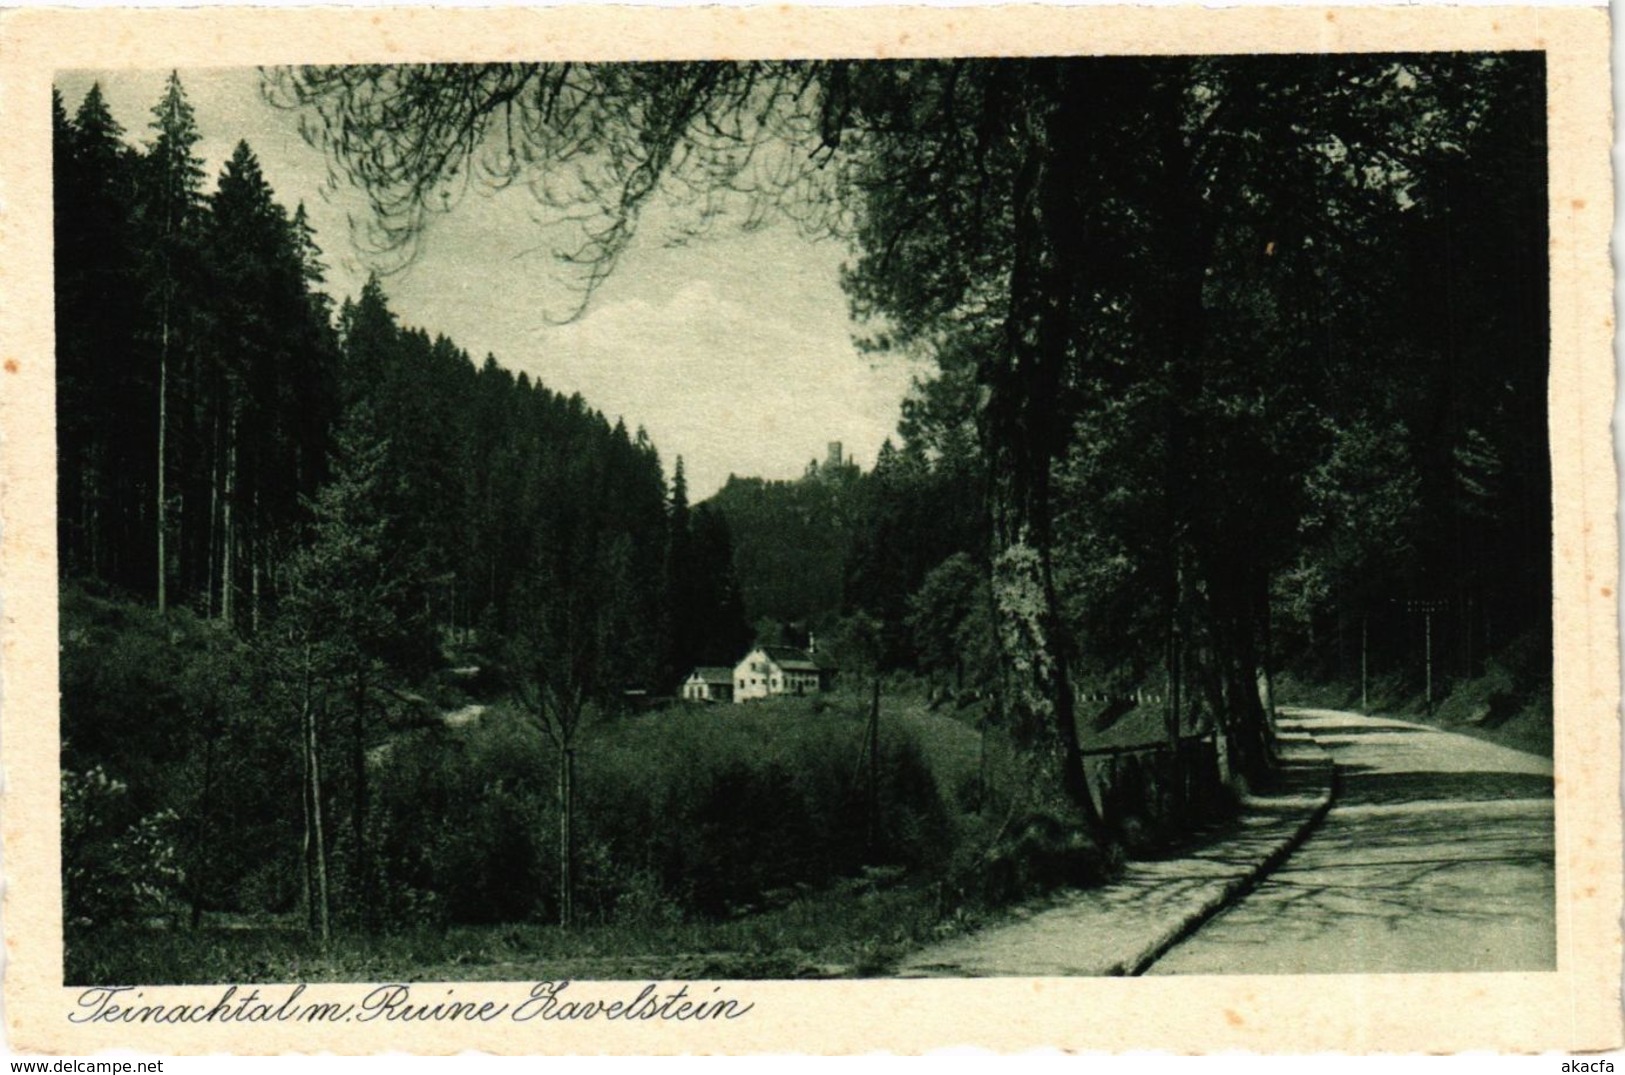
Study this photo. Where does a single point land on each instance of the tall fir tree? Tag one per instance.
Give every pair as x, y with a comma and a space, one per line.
170, 203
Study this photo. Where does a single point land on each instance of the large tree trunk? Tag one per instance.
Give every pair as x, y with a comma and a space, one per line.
1234, 615
1020, 424
1265, 621
1243, 721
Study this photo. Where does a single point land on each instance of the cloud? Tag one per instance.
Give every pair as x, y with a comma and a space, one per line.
752, 383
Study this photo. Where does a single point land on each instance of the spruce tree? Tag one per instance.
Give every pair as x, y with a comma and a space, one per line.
172, 181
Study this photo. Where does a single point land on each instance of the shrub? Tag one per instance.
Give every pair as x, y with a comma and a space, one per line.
462, 824
707, 812
644, 902
1039, 854
117, 865
165, 708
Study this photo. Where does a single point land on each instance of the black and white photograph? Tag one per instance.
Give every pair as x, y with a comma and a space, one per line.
765, 520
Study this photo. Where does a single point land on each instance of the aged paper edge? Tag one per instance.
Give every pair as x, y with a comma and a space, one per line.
1575, 1007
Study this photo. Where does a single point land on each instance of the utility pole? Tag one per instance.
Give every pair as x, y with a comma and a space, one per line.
1365, 622
1427, 619
1427, 609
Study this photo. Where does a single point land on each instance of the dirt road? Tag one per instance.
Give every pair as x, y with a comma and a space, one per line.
1437, 856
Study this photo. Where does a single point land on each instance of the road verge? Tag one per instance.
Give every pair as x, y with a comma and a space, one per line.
1125, 927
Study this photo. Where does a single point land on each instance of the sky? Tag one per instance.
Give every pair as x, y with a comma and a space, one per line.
733, 351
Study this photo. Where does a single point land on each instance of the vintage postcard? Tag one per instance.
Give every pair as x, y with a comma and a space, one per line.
631, 530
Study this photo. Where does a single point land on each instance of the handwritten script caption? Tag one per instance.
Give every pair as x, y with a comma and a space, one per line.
399, 1002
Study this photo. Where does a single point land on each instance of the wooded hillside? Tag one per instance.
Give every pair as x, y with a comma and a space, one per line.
353, 505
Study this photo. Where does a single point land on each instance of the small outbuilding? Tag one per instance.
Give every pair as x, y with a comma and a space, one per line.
709, 684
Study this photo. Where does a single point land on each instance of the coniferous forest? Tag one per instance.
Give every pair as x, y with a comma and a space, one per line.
370, 646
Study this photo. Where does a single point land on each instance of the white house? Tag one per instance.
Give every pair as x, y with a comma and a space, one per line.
770, 670
709, 684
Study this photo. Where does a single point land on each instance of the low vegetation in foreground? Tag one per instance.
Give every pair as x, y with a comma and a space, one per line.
855, 928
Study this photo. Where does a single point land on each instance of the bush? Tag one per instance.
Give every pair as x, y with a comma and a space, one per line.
461, 824
704, 812
168, 709
1039, 854
756, 801
117, 865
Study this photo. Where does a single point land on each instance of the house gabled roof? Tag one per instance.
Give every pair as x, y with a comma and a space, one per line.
713, 674
790, 658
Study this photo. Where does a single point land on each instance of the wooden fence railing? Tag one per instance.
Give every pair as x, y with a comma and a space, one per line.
1145, 748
